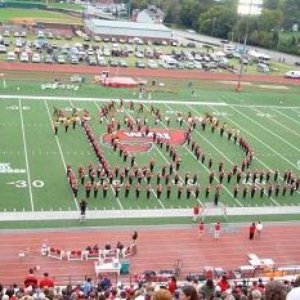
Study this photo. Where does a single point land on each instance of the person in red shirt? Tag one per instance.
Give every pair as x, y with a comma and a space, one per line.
172, 285
223, 284
46, 281
30, 280
252, 229
200, 229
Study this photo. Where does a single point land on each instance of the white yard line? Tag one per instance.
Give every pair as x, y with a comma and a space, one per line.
26, 155
262, 142
212, 103
266, 129
59, 148
277, 122
288, 117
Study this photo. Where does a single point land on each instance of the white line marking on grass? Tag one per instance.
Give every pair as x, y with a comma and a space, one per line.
59, 148
274, 201
283, 114
277, 122
266, 129
262, 142
26, 156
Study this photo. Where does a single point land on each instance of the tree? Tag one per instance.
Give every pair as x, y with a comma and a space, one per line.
270, 19
189, 12
217, 21
291, 9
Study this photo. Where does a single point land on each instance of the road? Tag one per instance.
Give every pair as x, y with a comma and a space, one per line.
184, 36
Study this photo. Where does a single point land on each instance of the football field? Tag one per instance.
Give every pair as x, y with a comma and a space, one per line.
33, 160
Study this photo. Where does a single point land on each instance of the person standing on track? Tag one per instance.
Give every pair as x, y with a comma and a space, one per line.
217, 230
252, 229
200, 229
259, 228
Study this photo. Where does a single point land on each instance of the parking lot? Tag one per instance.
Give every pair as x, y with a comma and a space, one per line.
46, 46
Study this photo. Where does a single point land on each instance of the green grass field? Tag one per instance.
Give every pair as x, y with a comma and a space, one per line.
9, 14
269, 120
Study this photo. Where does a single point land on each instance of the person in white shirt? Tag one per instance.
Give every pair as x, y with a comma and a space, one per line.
259, 228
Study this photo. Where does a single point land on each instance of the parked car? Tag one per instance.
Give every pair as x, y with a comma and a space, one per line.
61, 59
36, 58
92, 60
24, 57
2, 49
49, 59
74, 60
152, 64
101, 61
123, 64
292, 74
11, 56
113, 63
140, 64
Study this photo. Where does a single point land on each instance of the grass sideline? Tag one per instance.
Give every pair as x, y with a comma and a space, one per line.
58, 224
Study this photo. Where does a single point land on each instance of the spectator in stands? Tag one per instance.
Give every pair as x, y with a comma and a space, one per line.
294, 294
223, 284
188, 292
275, 291
46, 281
172, 285
30, 279
162, 294
87, 286
256, 295
208, 289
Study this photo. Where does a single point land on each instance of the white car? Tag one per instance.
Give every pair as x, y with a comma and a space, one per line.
139, 54
36, 58
24, 57
61, 59
292, 74
11, 56
152, 64
2, 49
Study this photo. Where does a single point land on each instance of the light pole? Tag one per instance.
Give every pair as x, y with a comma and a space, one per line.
247, 8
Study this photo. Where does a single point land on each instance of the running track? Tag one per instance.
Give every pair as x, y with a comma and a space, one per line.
157, 249
162, 73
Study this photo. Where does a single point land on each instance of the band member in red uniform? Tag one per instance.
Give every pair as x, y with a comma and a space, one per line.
159, 191
88, 187
96, 187
105, 189
148, 191
137, 190
127, 189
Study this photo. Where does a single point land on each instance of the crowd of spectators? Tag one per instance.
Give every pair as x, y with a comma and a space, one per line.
103, 289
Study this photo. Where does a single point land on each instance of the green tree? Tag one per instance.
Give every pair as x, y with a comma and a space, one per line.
217, 21
270, 19
291, 12
189, 12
